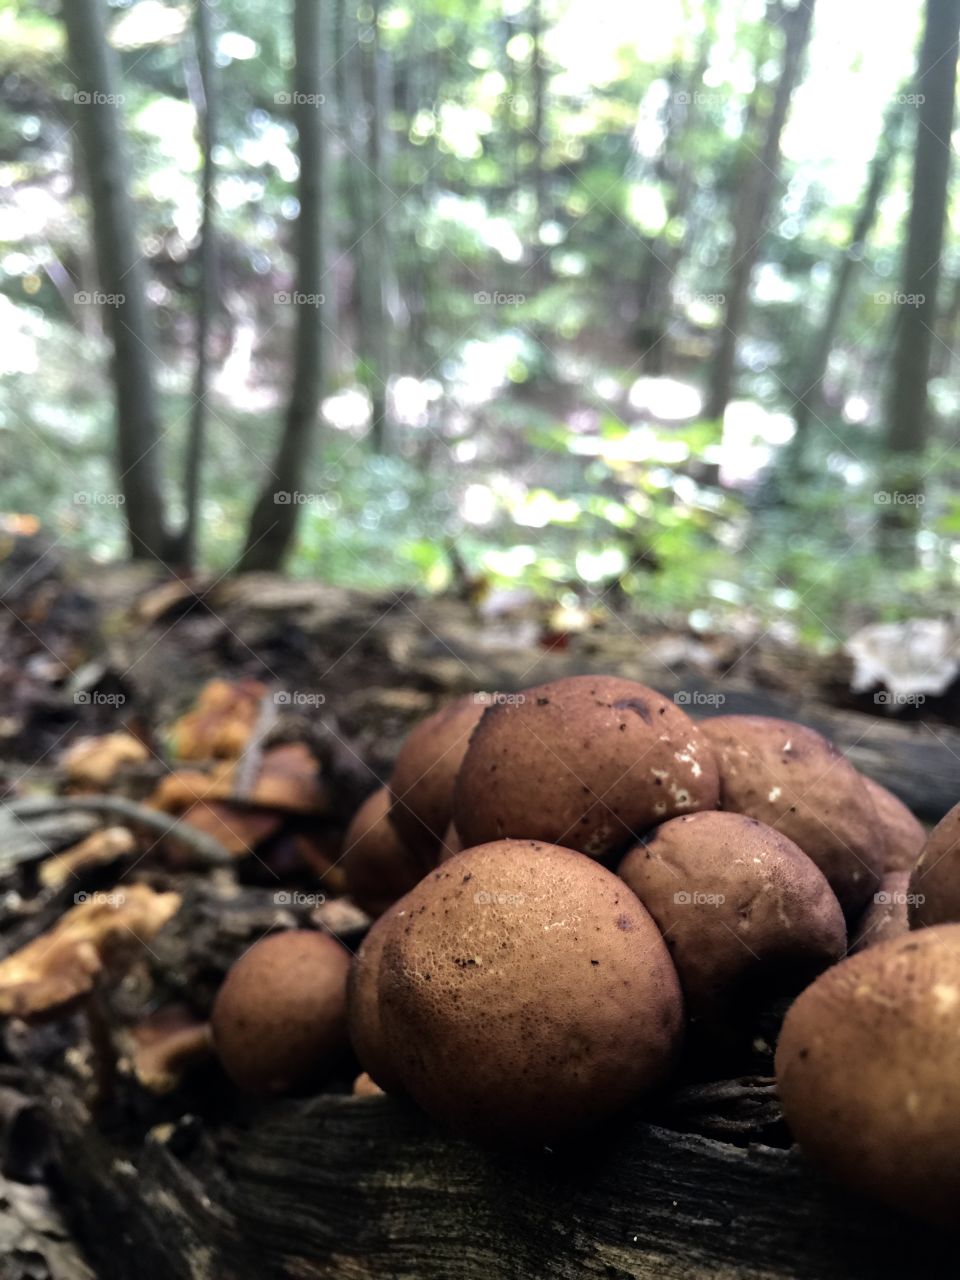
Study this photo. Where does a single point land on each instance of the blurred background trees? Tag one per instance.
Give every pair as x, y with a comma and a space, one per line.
655, 310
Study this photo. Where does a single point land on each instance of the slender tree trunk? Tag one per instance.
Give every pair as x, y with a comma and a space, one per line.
205, 97
274, 519
756, 200
122, 276
376, 251
809, 398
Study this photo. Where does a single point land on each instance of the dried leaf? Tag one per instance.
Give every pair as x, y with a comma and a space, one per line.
221, 721
100, 848
94, 762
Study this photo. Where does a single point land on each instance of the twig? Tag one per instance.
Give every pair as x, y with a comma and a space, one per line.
208, 850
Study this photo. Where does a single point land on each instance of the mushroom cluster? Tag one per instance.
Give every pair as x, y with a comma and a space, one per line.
569, 878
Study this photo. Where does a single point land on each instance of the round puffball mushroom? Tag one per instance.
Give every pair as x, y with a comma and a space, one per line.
588, 762
421, 785
885, 916
740, 907
905, 836
279, 1020
363, 1007
793, 779
378, 866
935, 883
868, 1070
525, 994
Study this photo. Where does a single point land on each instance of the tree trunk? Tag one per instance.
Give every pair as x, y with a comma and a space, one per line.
206, 105
754, 205
538, 94
907, 412
122, 277
808, 400
274, 519
376, 252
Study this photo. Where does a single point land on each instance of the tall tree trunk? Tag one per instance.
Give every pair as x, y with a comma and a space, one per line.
206, 105
754, 205
122, 277
376, 251
274, 519
809, 398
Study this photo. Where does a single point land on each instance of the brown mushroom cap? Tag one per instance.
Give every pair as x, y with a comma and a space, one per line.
737, 902
793, 779
363, 1007
421, 785
588, 762
450, 844
279, 1020
905, 834
868, 1070
935, 883
525, 994
378, 866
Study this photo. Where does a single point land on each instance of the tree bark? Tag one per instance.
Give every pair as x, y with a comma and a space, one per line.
754, 205
908, 424
122, 277
809, 397
274, 519
376, 250
206, 104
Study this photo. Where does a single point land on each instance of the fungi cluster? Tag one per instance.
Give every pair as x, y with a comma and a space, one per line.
577, 890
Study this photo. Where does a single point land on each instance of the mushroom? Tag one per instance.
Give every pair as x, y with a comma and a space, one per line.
421, 785
525, 994
165, 1045
868, 1070
588, 762
279, 1019
363, 1007
378, 866
793, 779
935, 883
739, 905
905, 836
886, 914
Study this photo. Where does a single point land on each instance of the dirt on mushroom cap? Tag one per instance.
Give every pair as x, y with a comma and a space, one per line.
525, 993
586, 762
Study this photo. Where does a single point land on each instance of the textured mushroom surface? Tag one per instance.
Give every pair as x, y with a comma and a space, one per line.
378, 866
792, 778
525, 994
279, 1019
868, 1070
737, 902
935, 883
588, 762
424, 773
363, 1007
905, 836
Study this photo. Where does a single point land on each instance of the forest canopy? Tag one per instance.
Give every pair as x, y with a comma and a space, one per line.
652, 307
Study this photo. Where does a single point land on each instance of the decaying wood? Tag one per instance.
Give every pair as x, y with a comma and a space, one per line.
366, 1189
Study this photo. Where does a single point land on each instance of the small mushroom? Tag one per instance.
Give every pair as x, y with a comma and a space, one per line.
525, 994
935, 883
905, 836
421, 785
165, 1045
868, 1070
886, 914
794, 779
279, 1020
363, 1007
378, 866
587, 762
740, 907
